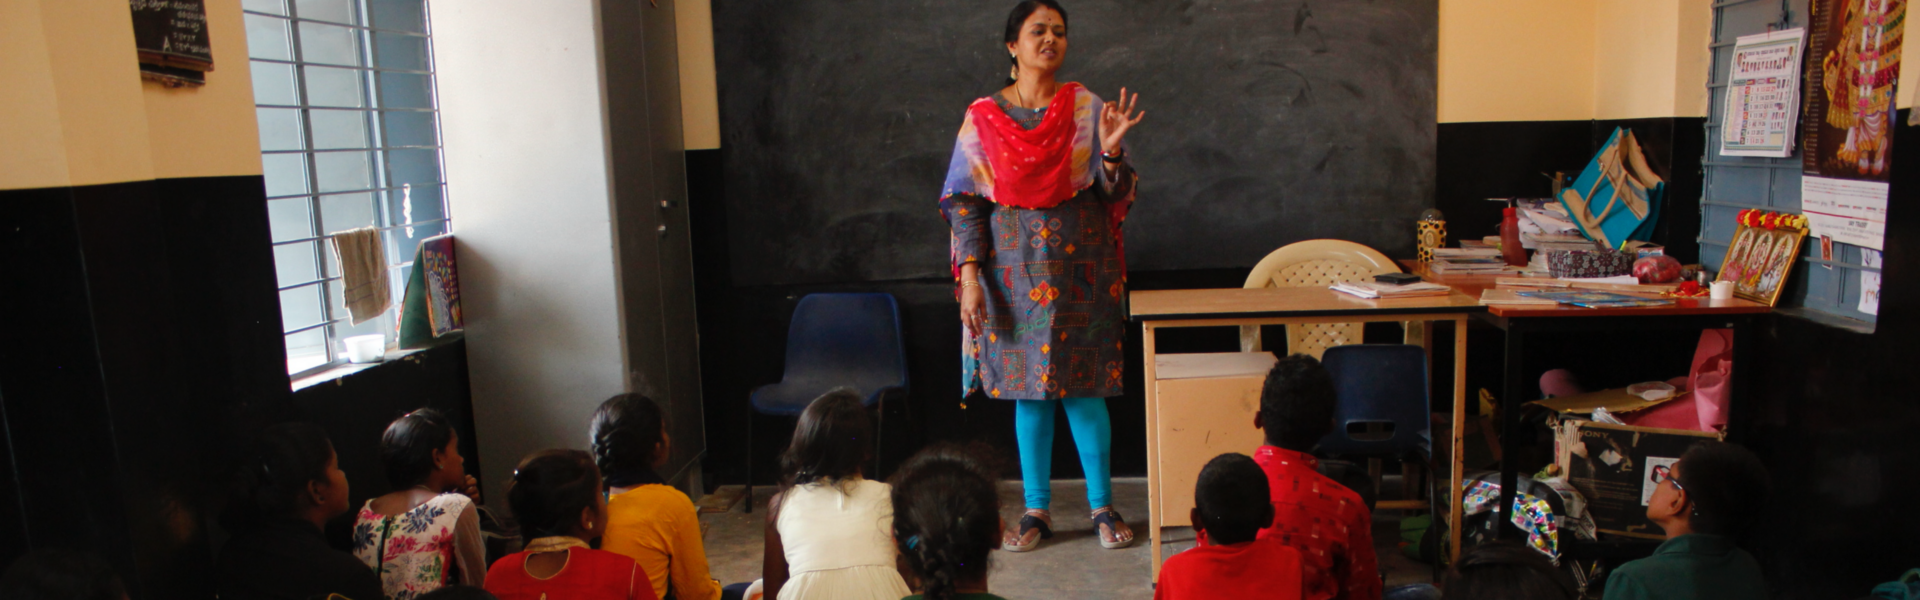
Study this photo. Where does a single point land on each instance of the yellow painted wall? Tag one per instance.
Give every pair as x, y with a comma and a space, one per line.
699, 94
77, 113
1909, 71
1516, 60
33, 148
211, 130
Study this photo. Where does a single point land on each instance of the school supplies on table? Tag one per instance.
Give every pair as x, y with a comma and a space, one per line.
1373, 289
1511, 298
1596, 299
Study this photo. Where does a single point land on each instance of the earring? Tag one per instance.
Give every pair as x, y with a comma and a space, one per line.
1015, 73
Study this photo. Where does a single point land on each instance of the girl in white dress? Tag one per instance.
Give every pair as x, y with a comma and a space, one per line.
830, 530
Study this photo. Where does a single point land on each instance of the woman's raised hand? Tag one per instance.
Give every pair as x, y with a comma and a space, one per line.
1116, 118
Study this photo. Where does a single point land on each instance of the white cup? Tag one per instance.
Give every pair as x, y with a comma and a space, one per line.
366, 348
1722, 290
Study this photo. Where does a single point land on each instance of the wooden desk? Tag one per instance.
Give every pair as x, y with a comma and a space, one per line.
1518, 322
1161, 309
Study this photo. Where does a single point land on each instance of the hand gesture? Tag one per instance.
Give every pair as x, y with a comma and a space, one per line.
1116, 118
973, 309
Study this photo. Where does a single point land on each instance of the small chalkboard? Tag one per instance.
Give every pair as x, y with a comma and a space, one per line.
171, 36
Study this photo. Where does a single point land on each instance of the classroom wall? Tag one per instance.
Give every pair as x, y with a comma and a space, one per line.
528, 170
1516, 60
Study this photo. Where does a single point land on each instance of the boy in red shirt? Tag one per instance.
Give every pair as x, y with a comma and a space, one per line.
1230, 506
1324, 520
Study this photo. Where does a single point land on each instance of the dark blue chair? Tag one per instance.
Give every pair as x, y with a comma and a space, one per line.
1384, 412
836, 340
1379, 385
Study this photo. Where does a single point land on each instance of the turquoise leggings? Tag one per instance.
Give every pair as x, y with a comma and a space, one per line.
1092, 433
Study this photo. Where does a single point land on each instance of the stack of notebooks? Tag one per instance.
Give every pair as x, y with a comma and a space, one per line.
1466, 261
1375, 289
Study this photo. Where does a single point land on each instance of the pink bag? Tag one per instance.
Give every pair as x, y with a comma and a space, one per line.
1705, 409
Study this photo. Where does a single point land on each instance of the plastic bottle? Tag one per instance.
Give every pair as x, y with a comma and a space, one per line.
1510, 247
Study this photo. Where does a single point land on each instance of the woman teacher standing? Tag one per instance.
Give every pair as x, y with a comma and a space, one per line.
1035, 196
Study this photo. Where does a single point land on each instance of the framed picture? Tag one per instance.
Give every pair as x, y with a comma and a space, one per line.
1759, 261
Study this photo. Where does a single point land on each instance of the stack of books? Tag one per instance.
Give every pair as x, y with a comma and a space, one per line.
1375, 289
1466, 261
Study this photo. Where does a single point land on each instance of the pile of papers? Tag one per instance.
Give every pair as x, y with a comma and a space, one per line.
1375, 289
1545, 226
1511, 298
1466, 261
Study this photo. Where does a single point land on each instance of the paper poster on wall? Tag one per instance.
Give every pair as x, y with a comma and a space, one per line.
1870, 283
1763, 95
1852, 212
1853, 62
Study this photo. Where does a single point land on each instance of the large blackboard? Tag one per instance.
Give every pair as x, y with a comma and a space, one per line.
1268, 122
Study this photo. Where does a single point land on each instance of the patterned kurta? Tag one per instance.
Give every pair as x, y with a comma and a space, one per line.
1054, 280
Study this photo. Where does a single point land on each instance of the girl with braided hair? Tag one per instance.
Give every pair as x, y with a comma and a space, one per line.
555, 495
946, 519
648, 520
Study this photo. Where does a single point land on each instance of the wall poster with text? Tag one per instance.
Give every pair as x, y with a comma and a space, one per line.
1853, 62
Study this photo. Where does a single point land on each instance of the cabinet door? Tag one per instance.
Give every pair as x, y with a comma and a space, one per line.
648, 164
1200, 419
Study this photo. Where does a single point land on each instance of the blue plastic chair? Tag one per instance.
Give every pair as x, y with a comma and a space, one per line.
1379, 384
836, 340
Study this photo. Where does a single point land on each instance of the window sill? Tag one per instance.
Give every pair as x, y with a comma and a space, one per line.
340, 371
1828, 319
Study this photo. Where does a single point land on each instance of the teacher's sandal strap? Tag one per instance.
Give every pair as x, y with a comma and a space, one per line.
1028, 522
1110, 519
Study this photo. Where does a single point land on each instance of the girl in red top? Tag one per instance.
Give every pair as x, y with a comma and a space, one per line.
556, 496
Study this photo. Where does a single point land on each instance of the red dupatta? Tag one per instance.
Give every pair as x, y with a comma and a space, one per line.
1042, 167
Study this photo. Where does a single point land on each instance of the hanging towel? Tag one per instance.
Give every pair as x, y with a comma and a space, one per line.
363, 272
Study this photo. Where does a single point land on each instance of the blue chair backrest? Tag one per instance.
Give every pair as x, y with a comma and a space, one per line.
840, 340
1378, 383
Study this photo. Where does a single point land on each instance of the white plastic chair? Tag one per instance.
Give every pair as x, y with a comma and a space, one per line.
1317, 263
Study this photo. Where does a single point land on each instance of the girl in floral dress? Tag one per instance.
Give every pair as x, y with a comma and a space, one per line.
421, 536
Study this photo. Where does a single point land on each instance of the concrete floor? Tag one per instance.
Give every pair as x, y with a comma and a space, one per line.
1070, 566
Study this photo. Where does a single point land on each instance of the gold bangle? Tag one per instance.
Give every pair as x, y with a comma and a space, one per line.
965, 283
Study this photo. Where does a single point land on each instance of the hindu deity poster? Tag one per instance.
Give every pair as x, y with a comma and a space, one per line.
1853, 62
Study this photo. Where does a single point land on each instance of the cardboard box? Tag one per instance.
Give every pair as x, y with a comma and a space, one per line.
1206, 407
1612, 467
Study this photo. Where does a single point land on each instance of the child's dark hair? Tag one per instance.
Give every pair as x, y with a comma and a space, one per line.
626, 430
833, 440
1019, 16
1297, 403
1727, 485
946, 516
274, 472
1233, 498
407, 447
60, 574
549, 490
1506, 571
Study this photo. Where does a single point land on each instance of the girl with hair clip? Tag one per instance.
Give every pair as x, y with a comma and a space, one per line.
946, 520
829, 530
287, 486
423, 534
648, 520
555, 495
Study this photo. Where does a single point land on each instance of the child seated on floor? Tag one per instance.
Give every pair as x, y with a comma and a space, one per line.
288, 485
946, 520
1328, 523
424, 534
830, 530
1506, 571
555, 495
1231, 506
1704, 502
648, 520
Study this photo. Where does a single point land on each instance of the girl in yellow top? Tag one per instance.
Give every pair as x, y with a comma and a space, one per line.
648, 520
